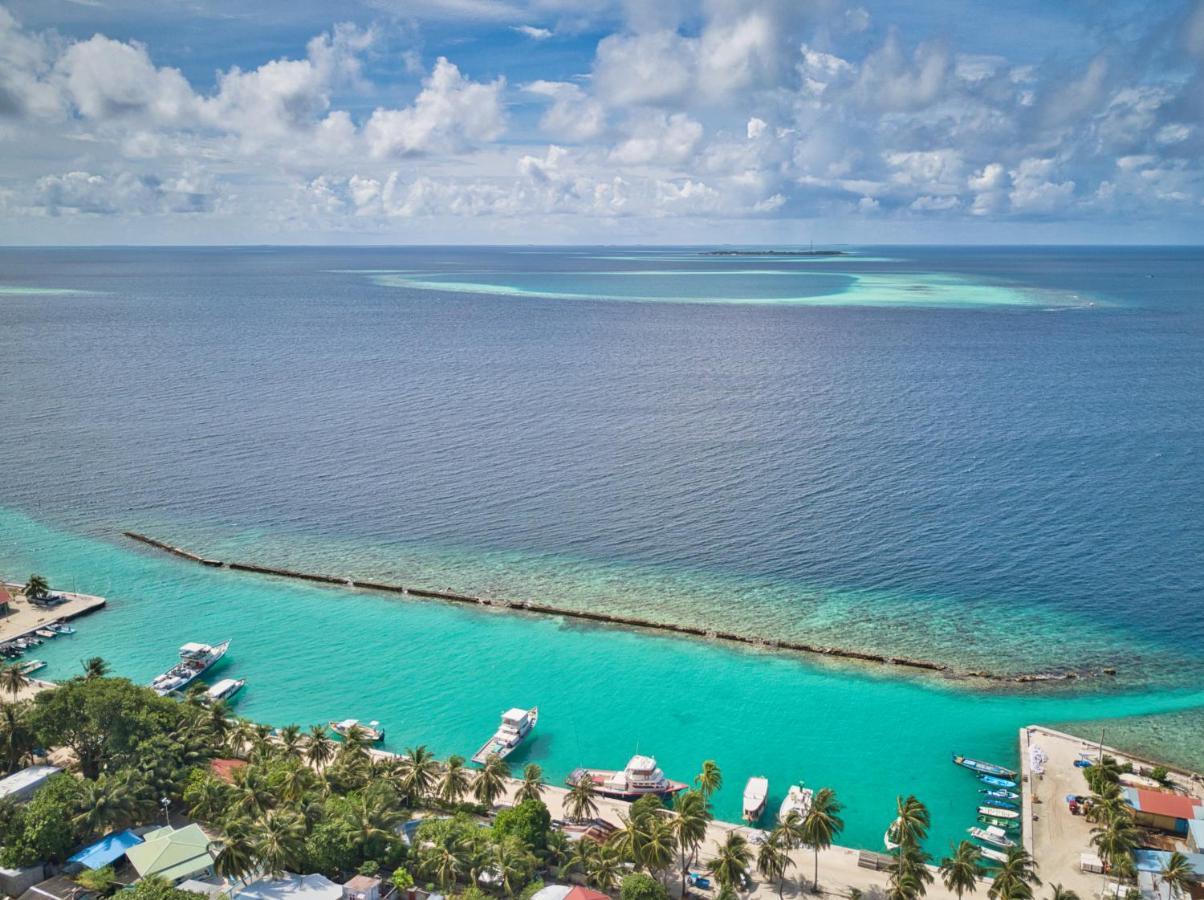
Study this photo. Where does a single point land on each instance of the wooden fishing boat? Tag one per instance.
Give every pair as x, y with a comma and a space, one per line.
999, 812
1000, 794
1010, 824
992, 835
995, 781
983, 768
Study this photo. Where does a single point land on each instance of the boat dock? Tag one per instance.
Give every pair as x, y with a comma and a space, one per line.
528, 606
24, 618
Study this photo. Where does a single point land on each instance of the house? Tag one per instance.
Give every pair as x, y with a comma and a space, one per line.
567, 892
173, 853
60, 887
107, 850
15, 882
20, 786
1160, 810
1154, 861
362, 887
291, 887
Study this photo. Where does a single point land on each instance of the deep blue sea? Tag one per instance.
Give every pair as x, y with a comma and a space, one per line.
987, 457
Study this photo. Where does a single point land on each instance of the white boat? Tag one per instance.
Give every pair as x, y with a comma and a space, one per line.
992, 834
798, 799
46, 633
28, 668
195, 660
516, 725
370, 731
225, 689
640, 778
997, 855
62, 627
891, 834
756, 796
999, 812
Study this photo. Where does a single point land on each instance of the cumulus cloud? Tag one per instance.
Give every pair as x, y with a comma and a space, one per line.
573, 115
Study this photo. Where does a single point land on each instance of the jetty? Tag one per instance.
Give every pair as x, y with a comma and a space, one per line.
24, 618
617, 620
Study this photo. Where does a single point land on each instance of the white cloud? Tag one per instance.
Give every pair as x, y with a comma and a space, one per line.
573, 115
659, 138
535, 34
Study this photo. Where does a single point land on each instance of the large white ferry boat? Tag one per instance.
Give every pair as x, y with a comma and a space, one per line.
641, 777
195, 660
516, 725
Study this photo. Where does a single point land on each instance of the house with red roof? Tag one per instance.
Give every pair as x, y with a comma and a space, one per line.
1161, 810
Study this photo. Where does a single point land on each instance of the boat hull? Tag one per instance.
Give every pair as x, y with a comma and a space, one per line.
502, 748
984, 768
600, 777
996, 812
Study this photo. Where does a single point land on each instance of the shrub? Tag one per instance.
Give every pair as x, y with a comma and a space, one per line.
639, 886
529, 822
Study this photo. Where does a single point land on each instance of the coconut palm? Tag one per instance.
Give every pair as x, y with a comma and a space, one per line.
659, 845
1058, 892
295, 782
373, 816
710, 779
774, 859
960, 871
1177, 874
904, 885
290, 741
455, 781
690, 817
580, 802
558, 850
17, 740
36, 588
210, 800
532, 787
445, 862
912, 822
278, 841
603, 868
1016, 877
319, 748
821, 824
490, 782
1115, 841
95, 667
511, 863
416, 773
911, 869
731, 863
103, 805
235, 859
580, 857
13, 679
792, 829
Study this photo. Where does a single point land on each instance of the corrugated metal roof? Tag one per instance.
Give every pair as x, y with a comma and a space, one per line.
106, 850
1160, 803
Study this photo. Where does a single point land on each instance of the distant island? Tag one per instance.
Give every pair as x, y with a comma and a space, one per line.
775, 253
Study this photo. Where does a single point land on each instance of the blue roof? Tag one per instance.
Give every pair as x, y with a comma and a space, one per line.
1156, 860
106, 850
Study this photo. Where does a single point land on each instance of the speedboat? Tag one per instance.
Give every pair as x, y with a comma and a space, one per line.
1000, 794
516, 725
798, 799
195, 661
890, 835
46, 633
225, 689
61, 627
992, 835
370, 731
640, 778
983, 768
28, 668
998, 812
994, 855
994, 781
756, 796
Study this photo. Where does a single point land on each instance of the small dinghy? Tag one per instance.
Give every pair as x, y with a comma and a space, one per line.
993, 781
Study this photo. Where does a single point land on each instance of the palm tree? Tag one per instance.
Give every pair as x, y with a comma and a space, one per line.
444, 862
1115, 841
603, 867
95, 667
911, 871
579, 802
511, 863
455, 781
659, 844
278, 840
210, 801
36, 588
1015, 878
774, 859
235, 858
1177, 874
290, 740
821, 824
912, 822
16, 738
417, 771
295, 781
1060, 893
690, 817
580, 857
904, 885
490, 782
710, 779
961, 871
13, 679
532, 787
104, 804
730, 865
792, 829
319, 748
558, 850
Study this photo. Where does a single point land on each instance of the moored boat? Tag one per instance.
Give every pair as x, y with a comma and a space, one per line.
370, 731
798, 799
1000, 794
994, 855
33, 665
999, 812
46, 633
889, 836
992, 835
62, 627
983, 768
1010, 824
640, 778
516, 725
995, 781
756, 797
225, 689
195, 661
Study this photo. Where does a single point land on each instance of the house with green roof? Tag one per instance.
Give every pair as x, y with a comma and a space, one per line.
175, 854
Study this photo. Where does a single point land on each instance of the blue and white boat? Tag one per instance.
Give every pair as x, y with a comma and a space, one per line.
983, 768
997, 782
1000, 794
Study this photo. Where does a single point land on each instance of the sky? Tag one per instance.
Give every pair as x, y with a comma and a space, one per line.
601, 121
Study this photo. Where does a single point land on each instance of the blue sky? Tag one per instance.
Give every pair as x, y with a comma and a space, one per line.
517, 121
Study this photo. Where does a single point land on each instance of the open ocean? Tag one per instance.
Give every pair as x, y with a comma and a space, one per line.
992, 458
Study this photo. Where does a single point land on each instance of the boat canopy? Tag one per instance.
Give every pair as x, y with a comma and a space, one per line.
193, 648
514, 716
641, 764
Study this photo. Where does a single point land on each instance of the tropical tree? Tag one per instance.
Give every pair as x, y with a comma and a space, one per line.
580, 802
532, 787
1177, 874
13, 679
774, 859
690, 817
1016, 877
235, 857
961, 870
454, 782
445, 861
603, 868
416, 773
104, 805
1057, 892
95, 667
319, 749
490, 782
710, 779
510, 863
290, 740
1115, 841
36, 588
659, 844
821, 824
910, 875
792, 829
732, 861
16, 737
278, 841
912, 821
